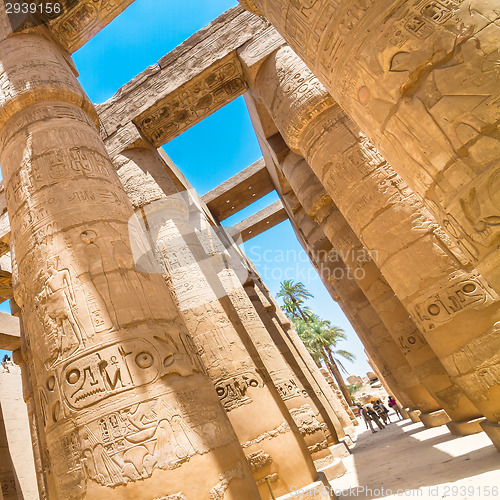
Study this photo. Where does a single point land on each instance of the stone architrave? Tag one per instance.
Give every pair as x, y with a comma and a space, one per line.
320, 207
188, 255
421, 80
453, 305
124, 404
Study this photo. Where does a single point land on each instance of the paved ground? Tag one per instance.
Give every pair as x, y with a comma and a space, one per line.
414, 462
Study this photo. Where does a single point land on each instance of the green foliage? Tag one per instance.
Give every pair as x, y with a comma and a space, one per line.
319, 336
353, 388
294, 295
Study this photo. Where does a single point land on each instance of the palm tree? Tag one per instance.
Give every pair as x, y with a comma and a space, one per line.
291, 311
294, 295
321, 338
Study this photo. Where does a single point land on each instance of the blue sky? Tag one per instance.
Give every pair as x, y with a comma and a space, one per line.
212, 151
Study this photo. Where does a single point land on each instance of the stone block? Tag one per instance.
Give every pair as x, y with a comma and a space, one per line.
333, 470
414, 415
434, 419
493, 432
340, 450
465, 428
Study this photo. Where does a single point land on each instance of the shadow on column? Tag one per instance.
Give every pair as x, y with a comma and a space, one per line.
9, 482
407, 456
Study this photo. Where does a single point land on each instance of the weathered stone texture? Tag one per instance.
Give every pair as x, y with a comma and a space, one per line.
119, 391
234, 346
191, 82
427, 271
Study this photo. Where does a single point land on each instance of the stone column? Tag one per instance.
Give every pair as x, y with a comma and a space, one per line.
297, 346
307, 415
41, 462
425, 364
210, 296
278, 325
125, 407
370, 329
421, 81
453, 305
9, 485
384, 383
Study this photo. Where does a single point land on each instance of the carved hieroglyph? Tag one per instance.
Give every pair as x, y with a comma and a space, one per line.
118, 386
378, 339
428, 273
324, 407
71, 23
200, 274
319, 206
422, 81
187, 105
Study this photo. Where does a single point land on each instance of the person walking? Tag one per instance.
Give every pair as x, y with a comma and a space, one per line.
382, 411
392, 404
373, 415
366, 417
5, 364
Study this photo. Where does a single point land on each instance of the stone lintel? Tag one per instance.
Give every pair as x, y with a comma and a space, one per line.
75, 24
9, 332
195, 79
261, 221
239, 191
256, 50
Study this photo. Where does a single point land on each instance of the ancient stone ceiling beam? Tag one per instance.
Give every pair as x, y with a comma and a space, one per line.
191, 82
9, 332
239, 191
72, 23
261, 221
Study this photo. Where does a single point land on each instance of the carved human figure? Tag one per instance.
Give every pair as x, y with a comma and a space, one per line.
97, 285
62, 307
69, 226
209, 296
428, 272
421, 81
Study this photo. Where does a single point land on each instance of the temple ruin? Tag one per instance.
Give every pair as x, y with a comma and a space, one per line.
151, 351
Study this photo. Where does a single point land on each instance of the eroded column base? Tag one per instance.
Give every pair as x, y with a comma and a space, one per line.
493, 432
332, 468
435, 418
404, 412
465, 428
318, 489
339, 450
351, 432
414, 415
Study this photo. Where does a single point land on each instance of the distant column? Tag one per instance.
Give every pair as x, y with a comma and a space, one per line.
124, 405
428, 273
421, 81
424, 362
371, 330
210, 296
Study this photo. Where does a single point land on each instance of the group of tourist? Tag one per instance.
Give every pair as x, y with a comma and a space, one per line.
378, 413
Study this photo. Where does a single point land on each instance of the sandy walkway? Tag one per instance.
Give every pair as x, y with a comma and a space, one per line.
414, 462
